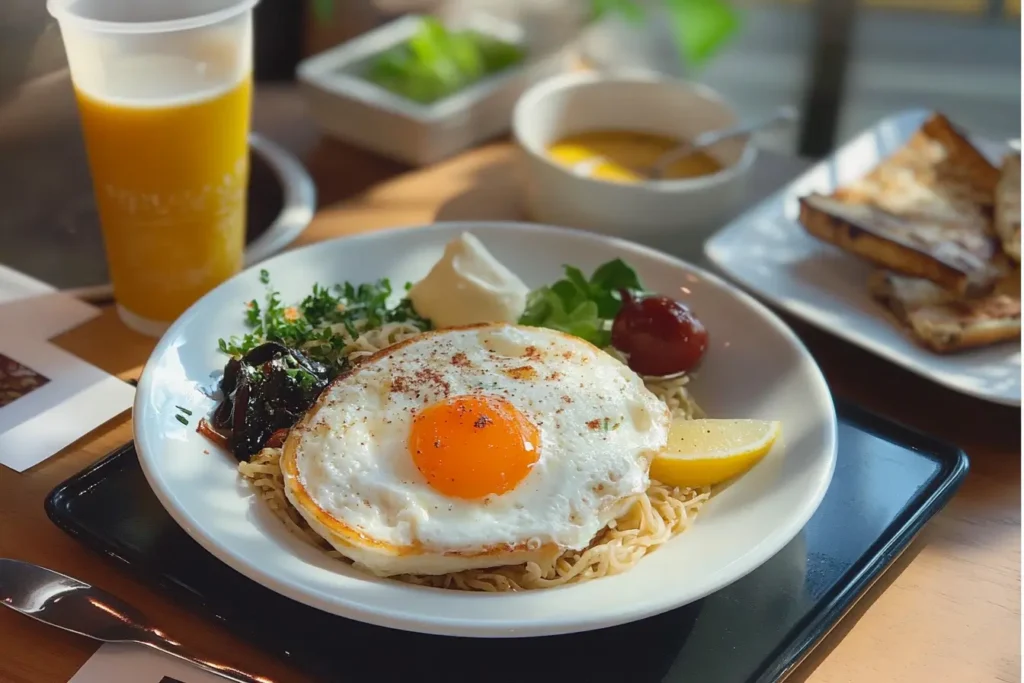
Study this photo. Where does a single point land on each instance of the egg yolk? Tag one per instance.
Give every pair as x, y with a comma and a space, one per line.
473, 446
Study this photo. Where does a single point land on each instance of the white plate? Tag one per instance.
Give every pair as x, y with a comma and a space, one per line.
755, 367
768, 252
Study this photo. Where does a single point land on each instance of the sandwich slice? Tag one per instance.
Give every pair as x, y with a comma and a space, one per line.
945, 321
1007, 208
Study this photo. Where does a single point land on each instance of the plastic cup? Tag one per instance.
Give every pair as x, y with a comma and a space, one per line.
164, 90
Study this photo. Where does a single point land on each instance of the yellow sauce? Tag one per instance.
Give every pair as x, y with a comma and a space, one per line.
621, 152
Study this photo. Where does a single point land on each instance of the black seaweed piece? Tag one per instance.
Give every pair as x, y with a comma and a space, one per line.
229, 382
222, 416
266, 390
267, 351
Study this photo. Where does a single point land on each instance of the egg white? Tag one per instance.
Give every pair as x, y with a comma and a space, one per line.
349, 472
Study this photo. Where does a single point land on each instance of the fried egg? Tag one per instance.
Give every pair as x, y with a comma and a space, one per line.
473, 447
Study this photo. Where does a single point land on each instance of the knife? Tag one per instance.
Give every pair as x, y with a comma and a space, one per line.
70, 604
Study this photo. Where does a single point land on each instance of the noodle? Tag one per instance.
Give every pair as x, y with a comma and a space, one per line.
368, 342
657, 515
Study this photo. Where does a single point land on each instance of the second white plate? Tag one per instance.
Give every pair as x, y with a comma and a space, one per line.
767, 251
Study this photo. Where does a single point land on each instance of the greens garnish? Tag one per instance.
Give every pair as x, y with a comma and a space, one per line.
317, 325
327, 320
580, 306
436, 62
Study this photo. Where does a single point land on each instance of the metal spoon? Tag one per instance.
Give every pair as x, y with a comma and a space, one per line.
712, 137
67, 603
656, 171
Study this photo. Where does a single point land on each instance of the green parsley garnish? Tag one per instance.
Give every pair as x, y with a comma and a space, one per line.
580, 306
305, 378
322, 323
608, 426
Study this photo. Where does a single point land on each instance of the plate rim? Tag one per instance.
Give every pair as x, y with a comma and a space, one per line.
714, 252
473, 626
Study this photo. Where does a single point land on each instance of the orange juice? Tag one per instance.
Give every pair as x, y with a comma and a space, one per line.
170, 182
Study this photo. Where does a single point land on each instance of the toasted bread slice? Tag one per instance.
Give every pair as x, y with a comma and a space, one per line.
958, 259
925, 211
938, 175
1007, 209
946, 322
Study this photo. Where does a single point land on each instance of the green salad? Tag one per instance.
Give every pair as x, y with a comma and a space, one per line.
437, 62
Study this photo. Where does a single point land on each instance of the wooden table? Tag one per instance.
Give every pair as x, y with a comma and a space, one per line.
948, 612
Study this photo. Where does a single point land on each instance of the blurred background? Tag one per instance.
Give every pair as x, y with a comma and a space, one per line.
849, 61
845, 63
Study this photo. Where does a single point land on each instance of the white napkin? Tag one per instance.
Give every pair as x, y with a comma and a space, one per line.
126, 663
30, 307
48, 397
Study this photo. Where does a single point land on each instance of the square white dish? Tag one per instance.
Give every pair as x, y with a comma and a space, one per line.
769, 253
349, 107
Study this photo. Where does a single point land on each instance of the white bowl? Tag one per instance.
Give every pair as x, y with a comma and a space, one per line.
755, 367
351, 108
672, 215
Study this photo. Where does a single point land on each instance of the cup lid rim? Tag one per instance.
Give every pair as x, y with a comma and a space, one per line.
62, 11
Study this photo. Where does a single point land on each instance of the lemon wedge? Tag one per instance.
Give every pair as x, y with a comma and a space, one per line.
706, 452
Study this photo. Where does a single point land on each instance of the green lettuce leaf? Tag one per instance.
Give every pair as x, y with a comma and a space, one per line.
581, 306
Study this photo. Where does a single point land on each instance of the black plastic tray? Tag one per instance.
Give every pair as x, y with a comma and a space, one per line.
888, 482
